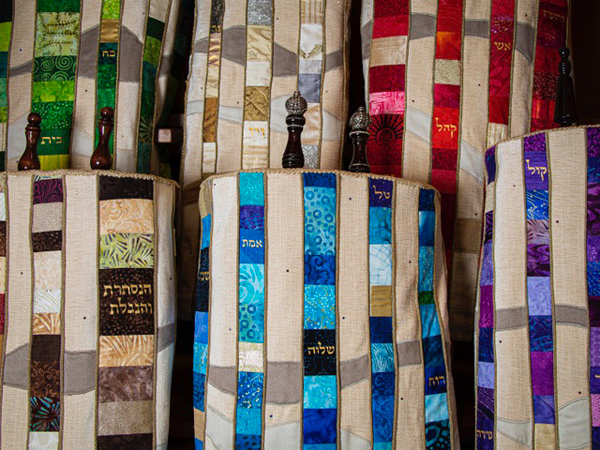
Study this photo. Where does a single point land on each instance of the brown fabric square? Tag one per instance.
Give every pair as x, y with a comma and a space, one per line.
256, 104
210, 120
2, 239
112, 187
124, 442
124, 384
468, 236
45, 348
45, 379
46, 241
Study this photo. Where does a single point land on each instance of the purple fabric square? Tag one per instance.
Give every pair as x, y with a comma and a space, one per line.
594, 307
535, 143
485, 409
593, 248
542, 373
595, 380
487, 266
538, 260
252, 217
543, 409
486, 375
593, 141
595, 346
536, 170
490, 164
593, 209
486, 307
47, 190
539, 296
538, 231
489, 226
380, 192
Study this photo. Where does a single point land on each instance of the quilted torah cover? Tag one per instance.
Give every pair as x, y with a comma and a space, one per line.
320, 314
538, 338
87, 308
448, 79
67, 59
249, 57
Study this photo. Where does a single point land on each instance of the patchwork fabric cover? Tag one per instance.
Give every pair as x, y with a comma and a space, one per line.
538, 333
320, 314
447, 79
87, 302
248, 59
67, 59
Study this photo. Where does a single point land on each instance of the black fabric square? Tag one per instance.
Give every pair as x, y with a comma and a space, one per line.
319, 352
121, 187
45, 347
46, 241
125, 442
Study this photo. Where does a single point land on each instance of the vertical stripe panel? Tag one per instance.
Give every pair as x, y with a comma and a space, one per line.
3, 270
6, 18
80, 312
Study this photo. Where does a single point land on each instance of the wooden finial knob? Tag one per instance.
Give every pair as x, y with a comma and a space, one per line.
101, 158
359, 124
565, 111
29, 160
296, 106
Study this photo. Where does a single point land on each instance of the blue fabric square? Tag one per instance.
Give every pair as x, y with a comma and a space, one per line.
381, 329
199, 445
426, 228
382, 357
319, 447
426, 197
593, 274
486, 345
436, 408
327, 180
200, 357
252, 217
490, 164
539, 296
435, 380
430, 325
543, 409
593, 169
596, 437
537, 204
380, 192
309, 85
319, 221
380, 265
252, 188
250, 390
425, 269
320, 426
206, 224
540, 333
248, 420
382, 446
380, 226
320, 392
198, 394
536, 170
487, 265
244, 441
383, 418
201, 327
437, 435
252, 284
433, 352
595, 380
319, 269
319, 307
383, 384
252, 246
486, 375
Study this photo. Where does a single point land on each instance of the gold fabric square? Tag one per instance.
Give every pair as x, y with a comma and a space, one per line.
381, 301
256, 104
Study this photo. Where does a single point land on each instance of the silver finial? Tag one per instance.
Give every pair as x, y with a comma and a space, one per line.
296, 105
360, 120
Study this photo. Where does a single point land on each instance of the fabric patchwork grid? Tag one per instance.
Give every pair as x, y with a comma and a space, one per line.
5, 35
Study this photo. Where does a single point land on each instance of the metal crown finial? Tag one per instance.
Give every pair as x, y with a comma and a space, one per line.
360, 121
296, 105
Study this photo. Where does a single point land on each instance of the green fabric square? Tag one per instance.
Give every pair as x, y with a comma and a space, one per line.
152, 50
155, 28
105, 49
3, 103
126, 250
111, 9
54, 68
5, 28
143, 157
54, 114
106, 97
107, 77
426, 298
53, 91
54, 141
3, 114
58, 5
57, 34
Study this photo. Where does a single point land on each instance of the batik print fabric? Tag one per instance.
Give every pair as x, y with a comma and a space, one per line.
89, 330
433, 123
5, 36
536, 366
248, 58
286, 355
66, 65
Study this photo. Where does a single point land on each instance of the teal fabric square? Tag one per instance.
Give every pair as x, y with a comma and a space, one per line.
252, 189
425, 269
319, 221
319, 307
200, 357
436, 408
320, 392
382, 357
427, 228
430, 325
380, 225
248, 421
380, 260
252, 284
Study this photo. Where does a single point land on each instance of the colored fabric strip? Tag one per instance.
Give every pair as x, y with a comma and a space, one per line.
5, 36
311, 55
54, 69
437, 418
108, 53
126, 313
320, 355
383, 374
501, 50
552, 36
251, 313
486, 365
593, 274
257, 107
201, 321
152, 53
446, 112
211, 100
539, 292
387, 86
45, 366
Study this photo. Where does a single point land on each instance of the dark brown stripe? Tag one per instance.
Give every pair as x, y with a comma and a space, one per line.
46, 241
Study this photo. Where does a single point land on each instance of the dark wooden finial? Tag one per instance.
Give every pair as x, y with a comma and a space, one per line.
29, 160
359, 124
565, 112
101, 158
296, 106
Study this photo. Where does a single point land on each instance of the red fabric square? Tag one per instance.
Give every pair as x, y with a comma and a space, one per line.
447, 95
546, 59
2, 310
387, 78
390, 26
445, 128
386, 8
448, 215
503, 8
499, 107
450, 15
448, 45
552, 25
444, 180
444, 159
392, 170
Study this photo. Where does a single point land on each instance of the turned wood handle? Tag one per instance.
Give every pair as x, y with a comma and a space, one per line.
101, 158
359, 134
565, 111
293, 157
29, 160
